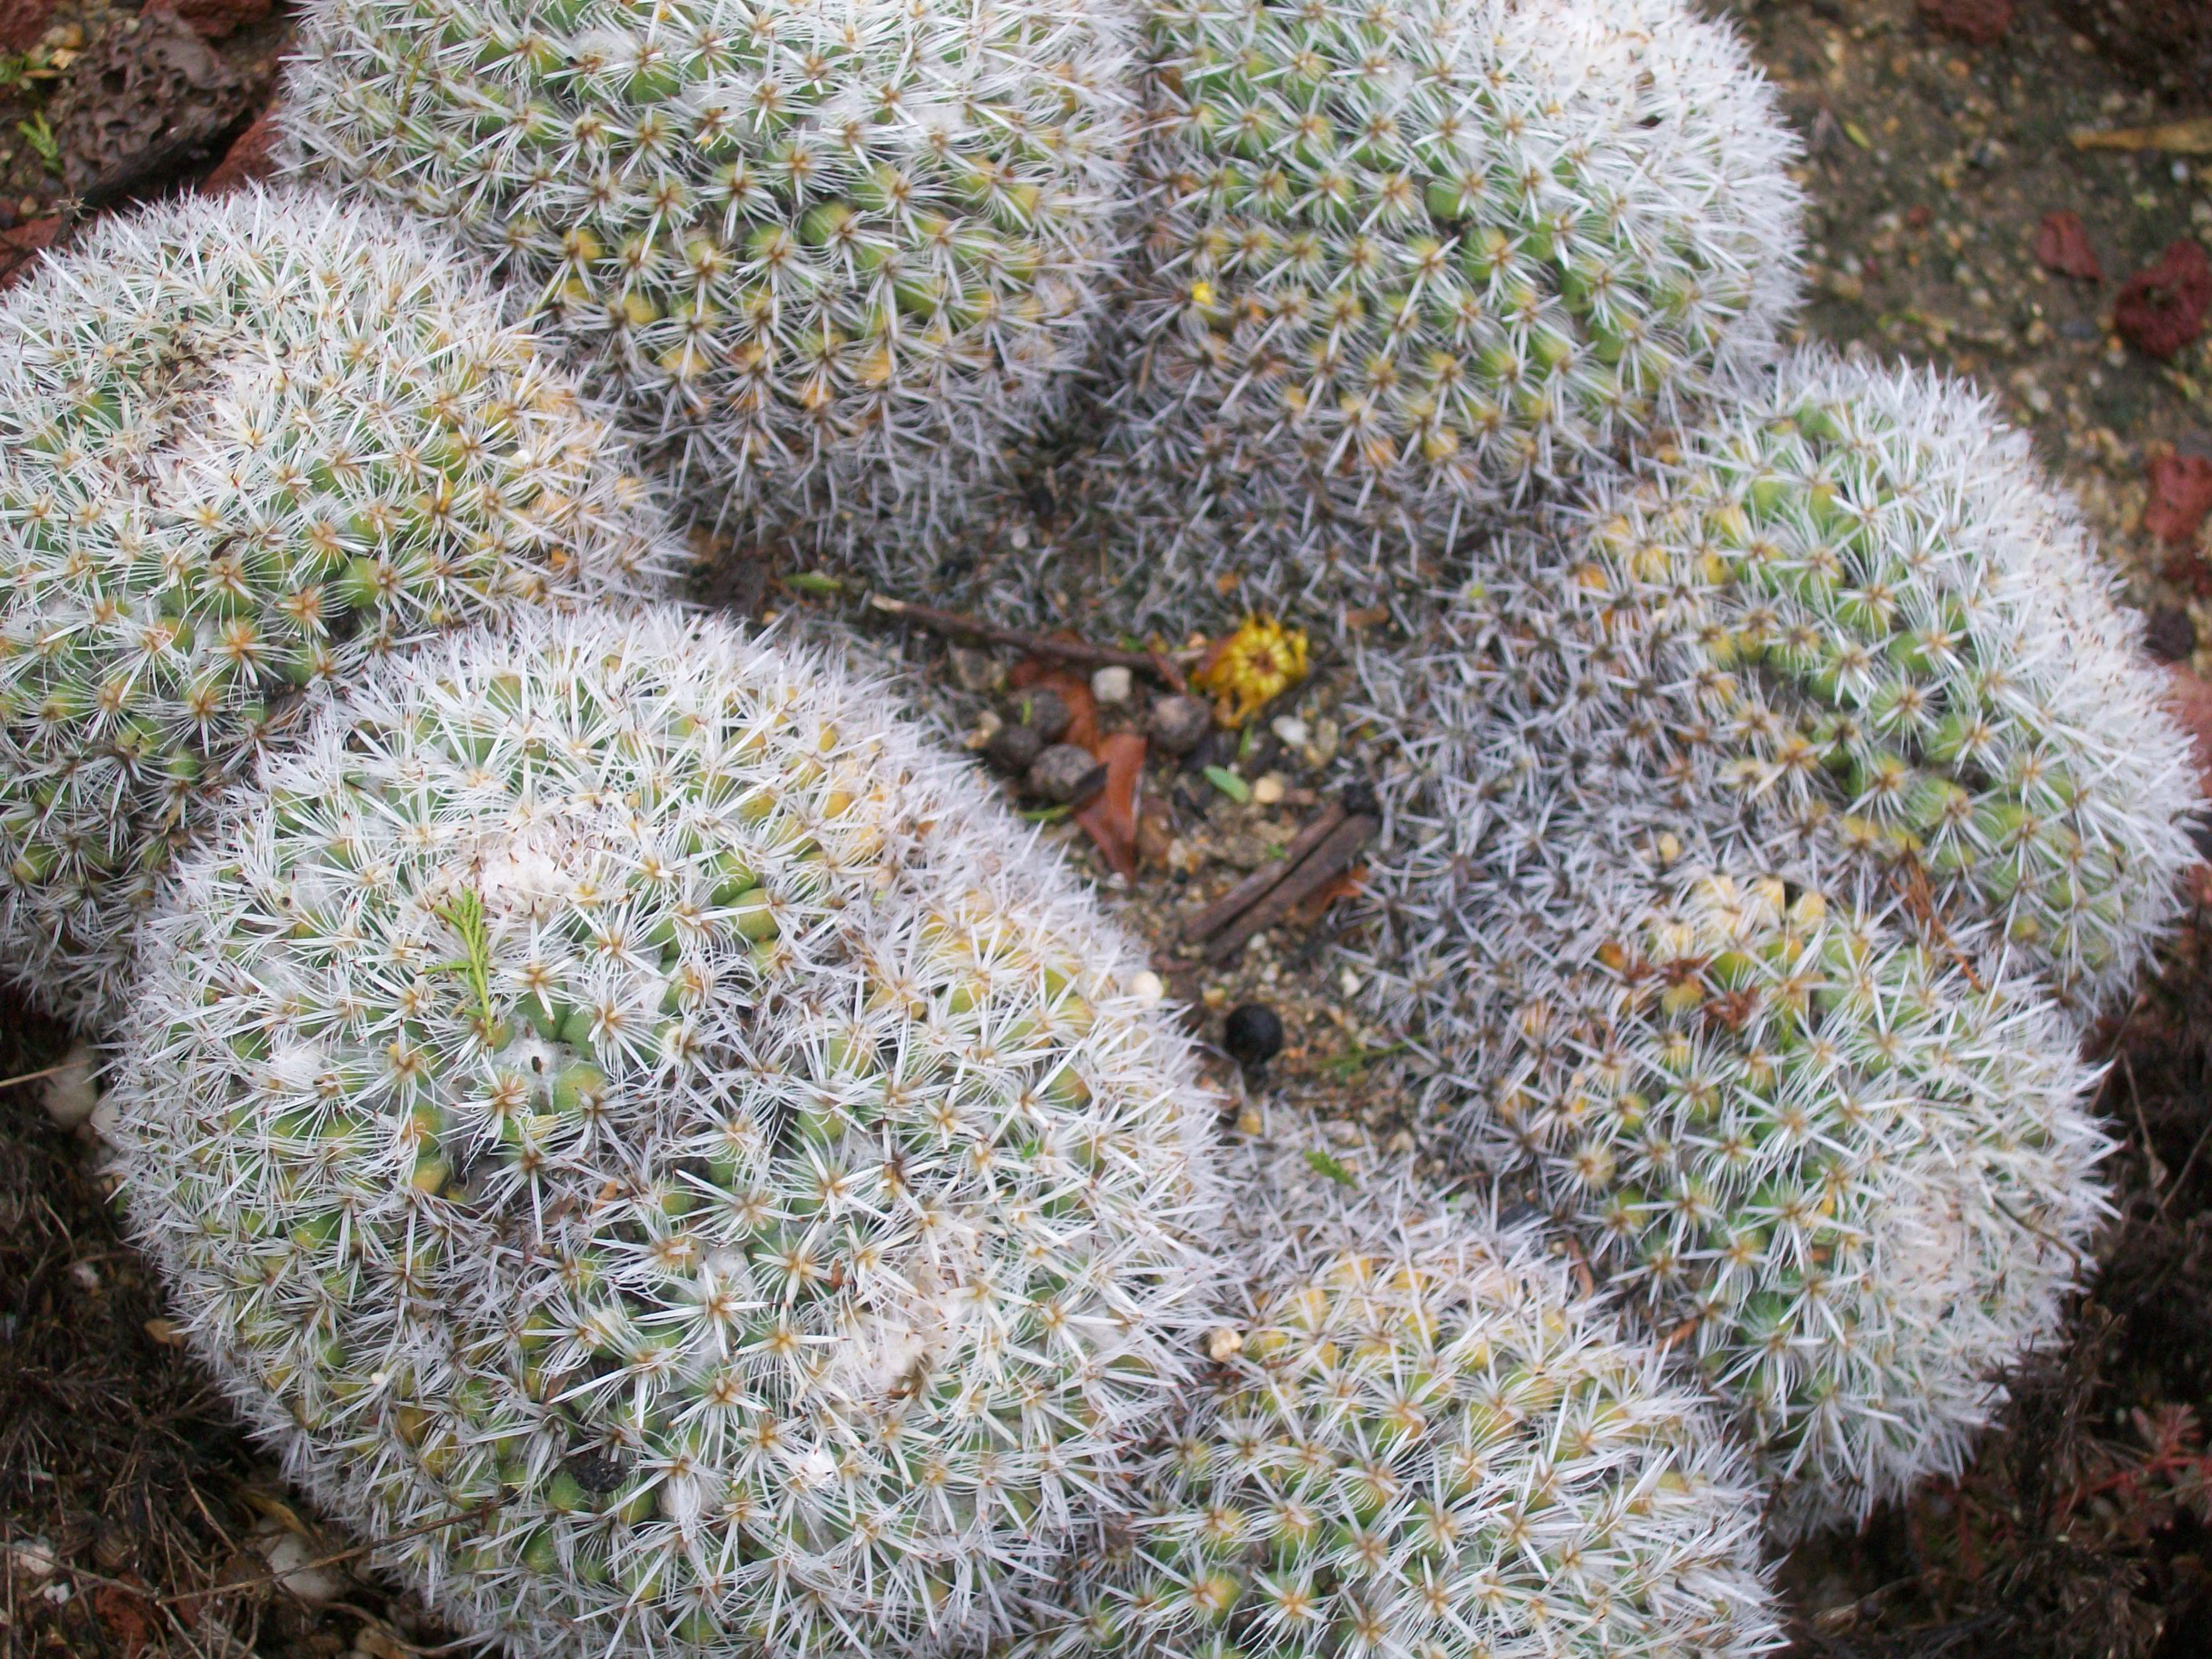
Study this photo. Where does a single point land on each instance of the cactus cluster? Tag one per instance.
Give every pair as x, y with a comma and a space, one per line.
1851, 615
1420, 1438
246, 446
667, 1161
826, 254
1402, 262
612, 1089
1851, 1173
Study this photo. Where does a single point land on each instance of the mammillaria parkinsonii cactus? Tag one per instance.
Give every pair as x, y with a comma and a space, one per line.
1851, 1174
1403, 261
1420, 1439
825, 253
245, 446
619, 1092
1852, 611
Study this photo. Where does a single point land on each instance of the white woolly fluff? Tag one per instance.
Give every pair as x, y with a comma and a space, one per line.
1851, 1174
767, 1226
1403, 263
827, 255
1421, 1438
246, 446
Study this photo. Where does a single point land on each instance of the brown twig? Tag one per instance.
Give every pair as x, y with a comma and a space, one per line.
1921, 902
1224, 909
1328, 860
952, 625
32, 1077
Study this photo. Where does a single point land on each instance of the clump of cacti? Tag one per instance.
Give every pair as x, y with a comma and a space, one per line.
658, 1155
1849, 1172
246, 446
827, 255
1400, 262
1852, 615
1418, 1438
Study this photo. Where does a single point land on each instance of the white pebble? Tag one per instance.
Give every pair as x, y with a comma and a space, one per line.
1110, 686
291, 1560
34, 1558
1268, 790
102, 1121
1349, 982
71, 1093
1290, 729
1147, 987
988, 727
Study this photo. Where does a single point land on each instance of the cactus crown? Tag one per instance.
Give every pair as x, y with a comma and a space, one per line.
1420, 1440
618, 1078
244, 447
831, 247
1404, 260
1853, 611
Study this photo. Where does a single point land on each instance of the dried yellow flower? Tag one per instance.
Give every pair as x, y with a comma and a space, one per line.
1251, 668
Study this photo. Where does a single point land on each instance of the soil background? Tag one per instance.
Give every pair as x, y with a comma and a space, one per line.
1939, 138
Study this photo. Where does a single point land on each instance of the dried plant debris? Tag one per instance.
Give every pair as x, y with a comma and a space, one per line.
148, 96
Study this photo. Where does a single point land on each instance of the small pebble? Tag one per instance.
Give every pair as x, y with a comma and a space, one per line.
1350, 983
1268, 791
1047, 711
988, 727
1155, 833
1014, 748
1253, 1034
34, 1558
1179, 724
1328, 737
1066, 776
1110, 687
1223, 1344
72, 1093
975, 670
291, 1559
1147, 987
2170, 636
1290, 729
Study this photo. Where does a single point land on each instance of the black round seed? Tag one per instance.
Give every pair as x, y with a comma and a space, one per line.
1253, 1034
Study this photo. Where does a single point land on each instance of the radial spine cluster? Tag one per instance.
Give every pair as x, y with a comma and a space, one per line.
1851, 1174
826, 254
246, 446
616, 1087
1403, 261
1418, 1438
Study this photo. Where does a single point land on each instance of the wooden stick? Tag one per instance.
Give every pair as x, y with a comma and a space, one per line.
1320, 867
952, 624
1224, 909
32, 1077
